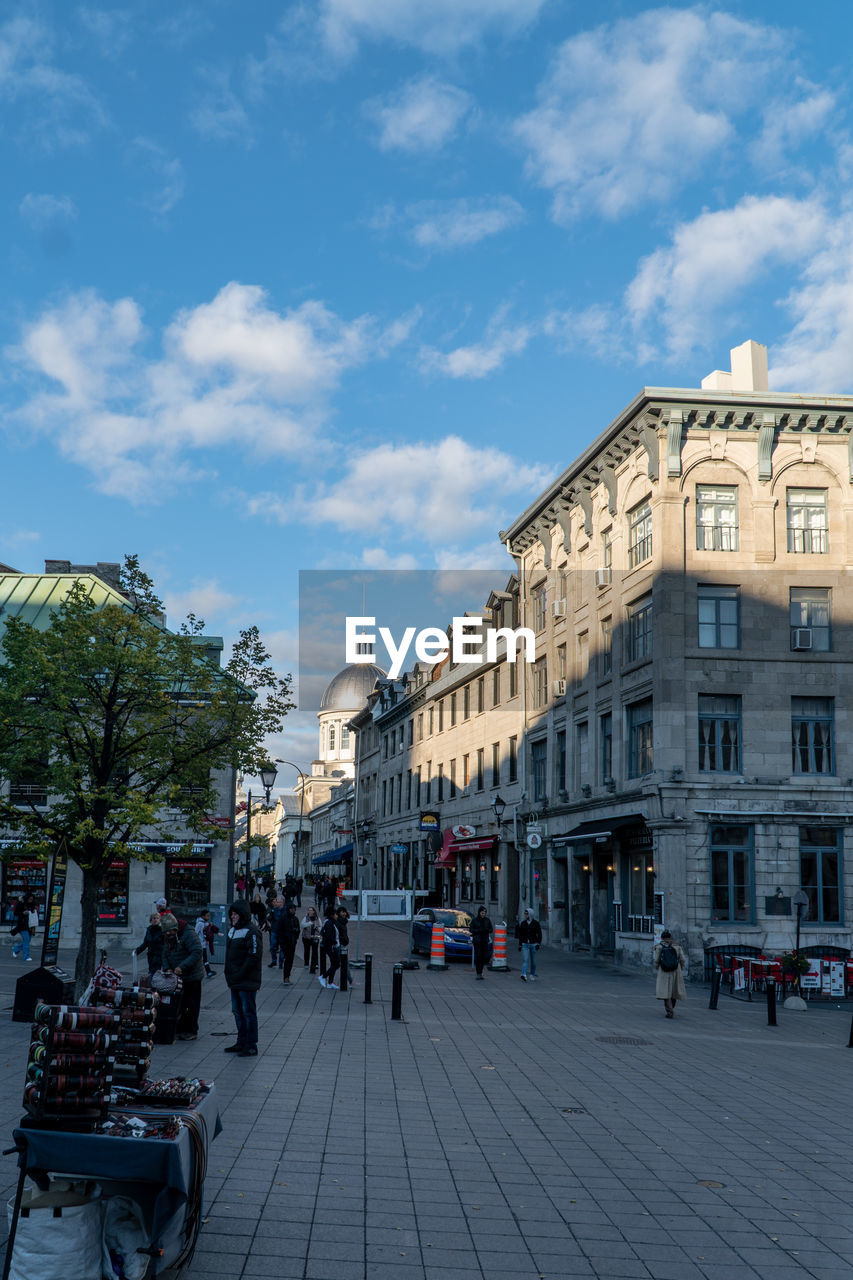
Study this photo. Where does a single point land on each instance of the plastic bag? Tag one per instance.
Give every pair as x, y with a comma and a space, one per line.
59, 1233
124, 1233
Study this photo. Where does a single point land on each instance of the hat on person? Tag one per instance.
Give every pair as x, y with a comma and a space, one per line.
161, 902
168, 923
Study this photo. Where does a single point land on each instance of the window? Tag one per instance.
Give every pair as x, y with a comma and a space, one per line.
513, 679
607, 549
493, 877
539, 777
410, 735
606, 651
540, 608
639, 630
561, 763
641, 889
29, 787
513, 760
420, 726
452, 710
716, 517
581, 752
466, 702
719, 618
719, 733
431, 721
811, 734
466, 771
820, 872
481, 695
427, 781
452, 786
496, 687
385, 746
384, 798
441, 716
332, 737
496, 764
606, 748
807, 521
639, 535
811, 608
640, 753
345, 738
731, 874
561, 662
113, 893
440, 781
408, 788
540, 683
481, 768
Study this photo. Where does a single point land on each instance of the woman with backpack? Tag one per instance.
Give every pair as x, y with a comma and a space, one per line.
669, 961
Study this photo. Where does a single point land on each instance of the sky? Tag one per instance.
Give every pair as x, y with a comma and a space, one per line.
343, 285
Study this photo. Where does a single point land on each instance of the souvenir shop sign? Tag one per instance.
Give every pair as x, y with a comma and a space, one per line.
53, 908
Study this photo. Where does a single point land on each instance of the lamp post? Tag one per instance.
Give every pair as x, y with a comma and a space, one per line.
801, 900
268, 776
303, 779
363, 828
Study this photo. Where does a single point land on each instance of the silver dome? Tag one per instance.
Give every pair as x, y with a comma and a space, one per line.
348, 690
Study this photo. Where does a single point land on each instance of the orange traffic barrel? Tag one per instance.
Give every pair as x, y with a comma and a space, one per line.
498, 960
436, 948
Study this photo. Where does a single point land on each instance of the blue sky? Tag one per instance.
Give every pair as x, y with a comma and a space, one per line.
341, 285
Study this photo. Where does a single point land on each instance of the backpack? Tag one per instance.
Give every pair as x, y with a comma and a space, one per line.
668, 958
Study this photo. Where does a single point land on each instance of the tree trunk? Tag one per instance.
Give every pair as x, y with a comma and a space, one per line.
86, 954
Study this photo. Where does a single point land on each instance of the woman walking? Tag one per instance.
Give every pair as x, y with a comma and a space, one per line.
669, 961
310, 926
153, 943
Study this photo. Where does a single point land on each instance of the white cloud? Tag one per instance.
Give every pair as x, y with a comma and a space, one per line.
204, 599
442, 225
111, 31
163, 174
441, 26
59, 108
218, 112
419, 496
632, 110
381, 558
711, 259
476, 361
44, 211
232, 371
817, 353
422, 115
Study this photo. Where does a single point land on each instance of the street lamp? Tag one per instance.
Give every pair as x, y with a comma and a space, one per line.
499, 808
801, 900
268, 775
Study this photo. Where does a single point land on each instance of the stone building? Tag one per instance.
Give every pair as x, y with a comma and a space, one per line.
685, 728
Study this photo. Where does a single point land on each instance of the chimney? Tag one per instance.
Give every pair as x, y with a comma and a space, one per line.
748, 373
57, 566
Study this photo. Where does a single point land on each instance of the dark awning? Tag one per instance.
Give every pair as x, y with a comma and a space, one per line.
341, 854
599, 829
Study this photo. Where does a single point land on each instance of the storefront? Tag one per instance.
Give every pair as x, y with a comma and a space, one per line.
188, 885
113, 895
22, 875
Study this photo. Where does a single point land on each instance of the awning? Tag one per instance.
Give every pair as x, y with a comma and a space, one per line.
599, 830
445, 860
342, 854
484, 845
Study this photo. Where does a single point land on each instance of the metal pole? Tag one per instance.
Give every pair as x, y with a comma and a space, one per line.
249, 849
716, 979
397, 994
368, 979
232, 834
770, 987
344, 974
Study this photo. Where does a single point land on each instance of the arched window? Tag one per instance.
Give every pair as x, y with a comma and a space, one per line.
331, 737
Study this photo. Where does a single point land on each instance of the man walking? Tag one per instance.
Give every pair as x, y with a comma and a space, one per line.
275, 917
481, 937
244, 959
529, 934
287, 936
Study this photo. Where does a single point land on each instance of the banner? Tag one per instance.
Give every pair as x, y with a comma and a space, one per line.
53, 908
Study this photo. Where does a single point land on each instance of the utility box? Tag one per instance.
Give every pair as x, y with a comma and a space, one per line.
48, 983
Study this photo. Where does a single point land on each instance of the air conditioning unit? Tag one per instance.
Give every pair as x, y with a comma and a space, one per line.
558, 608
559, 688
602, 577
802, 638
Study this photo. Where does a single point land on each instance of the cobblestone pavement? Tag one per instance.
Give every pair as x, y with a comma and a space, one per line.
557, 1129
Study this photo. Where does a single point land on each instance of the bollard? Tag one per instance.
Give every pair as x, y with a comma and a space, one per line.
716, 979
436, 948
397, 994
498, 960
368, 977
770, 987
343, 976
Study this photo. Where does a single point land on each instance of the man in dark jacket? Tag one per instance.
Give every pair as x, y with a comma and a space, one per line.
244, 959
330, 952
481, 937
529, 934
287, 936
182, 954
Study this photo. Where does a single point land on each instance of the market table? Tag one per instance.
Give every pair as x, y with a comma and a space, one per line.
163, 1175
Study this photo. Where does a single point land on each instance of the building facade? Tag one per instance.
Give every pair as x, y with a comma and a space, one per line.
685, 735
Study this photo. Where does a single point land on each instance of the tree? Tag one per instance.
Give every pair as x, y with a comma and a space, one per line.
122, 723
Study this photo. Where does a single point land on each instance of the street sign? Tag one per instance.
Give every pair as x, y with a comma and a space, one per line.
534, 840
399, 848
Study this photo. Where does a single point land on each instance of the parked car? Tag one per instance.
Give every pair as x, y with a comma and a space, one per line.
457, 932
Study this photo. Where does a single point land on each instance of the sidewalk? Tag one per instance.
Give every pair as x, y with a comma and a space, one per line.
557, 1129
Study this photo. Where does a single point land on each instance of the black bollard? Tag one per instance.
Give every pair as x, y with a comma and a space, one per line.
368, 978
716, 979
397, 994
770, 987
344, 974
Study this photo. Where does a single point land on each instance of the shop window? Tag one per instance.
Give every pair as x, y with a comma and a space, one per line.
820, 873
731, 874
22, 876
113, 895
188, 885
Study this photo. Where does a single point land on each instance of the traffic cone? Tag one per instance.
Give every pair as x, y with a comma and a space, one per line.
498, 960
436, 948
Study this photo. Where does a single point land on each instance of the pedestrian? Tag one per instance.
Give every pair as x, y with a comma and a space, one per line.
288, 936
299, 887
24, 909
259, 910
529, 934
669, 961
161, 905
342, 922
310, 938
153, 943
275, 915
202, 924
481, 937
330, 951
182, 954
244, 959
241, 886
210, 931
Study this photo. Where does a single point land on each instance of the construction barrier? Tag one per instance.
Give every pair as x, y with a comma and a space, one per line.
498, 960
436, 948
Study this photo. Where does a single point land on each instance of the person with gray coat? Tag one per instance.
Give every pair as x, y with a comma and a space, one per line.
183, 955
669, 962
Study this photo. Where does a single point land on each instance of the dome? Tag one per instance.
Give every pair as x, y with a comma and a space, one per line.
348, 690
